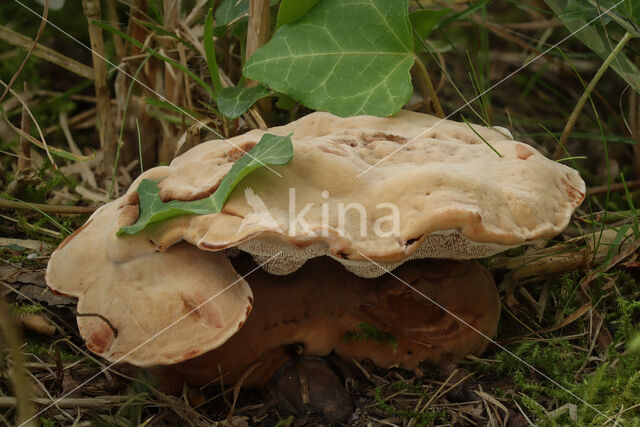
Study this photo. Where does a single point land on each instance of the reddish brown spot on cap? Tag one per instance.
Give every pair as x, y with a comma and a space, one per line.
523, 152
100, 338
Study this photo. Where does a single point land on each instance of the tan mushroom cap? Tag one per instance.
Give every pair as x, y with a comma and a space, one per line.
147, 308
455, 197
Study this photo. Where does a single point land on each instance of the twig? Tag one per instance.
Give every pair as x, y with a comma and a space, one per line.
426, 86
69, 402
600, 189
76, 210
43, 23
46, 53
101, 317
586, 94
105, 129
579, 253
24, 150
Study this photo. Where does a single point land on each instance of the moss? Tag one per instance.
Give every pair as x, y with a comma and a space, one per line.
422, 418
26, 308
43, 351
369, 332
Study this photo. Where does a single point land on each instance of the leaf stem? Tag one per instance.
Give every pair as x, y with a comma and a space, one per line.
426, 86
587, 93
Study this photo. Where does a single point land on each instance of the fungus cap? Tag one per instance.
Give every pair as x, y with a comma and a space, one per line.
145, 307
452, 194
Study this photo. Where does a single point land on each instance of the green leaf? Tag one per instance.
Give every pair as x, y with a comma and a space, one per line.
210, 52
347, 57
424, 21
292, 10
230, 11
233, 101
597, 40
271, 150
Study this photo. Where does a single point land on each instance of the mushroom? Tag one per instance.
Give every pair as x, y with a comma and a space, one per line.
145, 307
320, 306
452, 190
367, 190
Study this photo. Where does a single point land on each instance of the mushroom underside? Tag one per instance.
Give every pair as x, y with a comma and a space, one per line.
321, 308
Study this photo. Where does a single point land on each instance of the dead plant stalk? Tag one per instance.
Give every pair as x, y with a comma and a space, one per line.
105, 129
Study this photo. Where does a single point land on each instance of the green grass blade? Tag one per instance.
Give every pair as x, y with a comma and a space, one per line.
210, 53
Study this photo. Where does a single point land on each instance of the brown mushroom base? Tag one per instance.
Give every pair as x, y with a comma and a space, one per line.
390, 320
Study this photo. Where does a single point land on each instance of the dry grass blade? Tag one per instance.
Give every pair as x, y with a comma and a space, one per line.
46, 53
24, 150
42, 143
103, 94
18, 377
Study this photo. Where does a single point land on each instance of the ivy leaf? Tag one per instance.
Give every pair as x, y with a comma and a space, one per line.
233, 101
347, 57
271, 150
292, 10
230, 11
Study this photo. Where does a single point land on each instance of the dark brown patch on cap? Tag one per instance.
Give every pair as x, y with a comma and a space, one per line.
236, 153
381, 136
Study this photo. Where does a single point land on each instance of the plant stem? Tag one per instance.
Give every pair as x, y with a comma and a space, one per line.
59, 209
426, 87
258, 34
103, 97
587, 93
